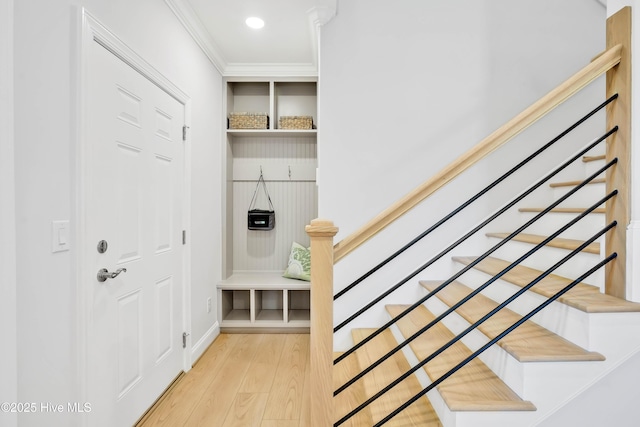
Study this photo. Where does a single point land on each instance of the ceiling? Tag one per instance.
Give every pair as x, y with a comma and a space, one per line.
287, 45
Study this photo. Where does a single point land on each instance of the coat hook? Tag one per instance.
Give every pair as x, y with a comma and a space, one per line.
289, 172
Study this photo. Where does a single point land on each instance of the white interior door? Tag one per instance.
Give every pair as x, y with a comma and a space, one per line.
136, 170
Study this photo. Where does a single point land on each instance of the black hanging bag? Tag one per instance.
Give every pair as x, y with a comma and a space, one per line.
261, 219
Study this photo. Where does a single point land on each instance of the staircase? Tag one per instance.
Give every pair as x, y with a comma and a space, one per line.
532, 326
526, 375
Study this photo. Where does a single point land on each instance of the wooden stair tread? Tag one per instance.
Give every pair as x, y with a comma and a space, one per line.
353, 396
421, 412
558, 242
474, 387
529, 342
583, 296
588, 159
563, 210
574, 183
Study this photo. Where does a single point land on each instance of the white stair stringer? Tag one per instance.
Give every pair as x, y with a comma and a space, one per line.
616, 391
614, 335
543, 383
549, 385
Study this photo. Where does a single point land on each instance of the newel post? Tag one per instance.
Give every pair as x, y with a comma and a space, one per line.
321, 233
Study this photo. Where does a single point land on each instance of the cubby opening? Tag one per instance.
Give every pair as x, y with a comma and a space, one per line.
299, 305
295, 99
269, 305
236, 305
248, 97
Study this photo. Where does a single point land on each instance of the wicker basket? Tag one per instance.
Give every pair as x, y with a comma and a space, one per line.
248, 121
295, 122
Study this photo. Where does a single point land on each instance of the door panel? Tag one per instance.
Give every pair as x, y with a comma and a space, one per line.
137, 181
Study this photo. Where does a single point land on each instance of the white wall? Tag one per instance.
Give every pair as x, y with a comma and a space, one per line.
406, 87
8, 362
45, 32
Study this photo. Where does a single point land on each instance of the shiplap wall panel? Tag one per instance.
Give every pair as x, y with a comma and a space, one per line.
295, 201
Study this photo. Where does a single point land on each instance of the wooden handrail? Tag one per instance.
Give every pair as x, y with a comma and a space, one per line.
600, 65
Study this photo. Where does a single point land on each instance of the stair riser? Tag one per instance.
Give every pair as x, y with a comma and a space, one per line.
592, 167
565, 321
531, 379
582, 230
546, 257
499, 361
451, 418
586, 196
447, 417
377, 315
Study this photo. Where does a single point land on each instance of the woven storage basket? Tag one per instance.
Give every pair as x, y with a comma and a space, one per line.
248, 121
296, 122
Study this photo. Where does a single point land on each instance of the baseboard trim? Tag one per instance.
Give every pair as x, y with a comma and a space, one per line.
203, 343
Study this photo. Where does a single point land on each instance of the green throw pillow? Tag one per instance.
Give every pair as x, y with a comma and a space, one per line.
299, 263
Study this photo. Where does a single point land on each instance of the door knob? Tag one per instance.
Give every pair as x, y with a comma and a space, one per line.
104, 274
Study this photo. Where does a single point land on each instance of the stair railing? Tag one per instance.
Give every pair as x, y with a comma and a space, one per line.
615, 62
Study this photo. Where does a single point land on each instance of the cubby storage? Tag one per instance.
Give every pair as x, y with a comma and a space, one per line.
236, 305
254, 260
299, 306
268, 305
263, 300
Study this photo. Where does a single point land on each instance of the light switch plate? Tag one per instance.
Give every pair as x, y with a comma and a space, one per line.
60, 239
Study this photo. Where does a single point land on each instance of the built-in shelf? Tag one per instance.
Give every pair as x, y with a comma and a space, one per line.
272, 132
263, 300
287, 160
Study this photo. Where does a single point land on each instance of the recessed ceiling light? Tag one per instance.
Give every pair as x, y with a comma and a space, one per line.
255, 22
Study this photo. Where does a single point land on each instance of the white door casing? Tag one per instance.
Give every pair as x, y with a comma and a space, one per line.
132, 192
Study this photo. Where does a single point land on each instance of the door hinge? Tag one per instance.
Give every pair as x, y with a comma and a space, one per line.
184, 237
184, 339
184, 132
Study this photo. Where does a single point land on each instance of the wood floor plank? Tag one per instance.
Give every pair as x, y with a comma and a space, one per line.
353, 396
261, 372
420, 413
558, 242
285, 398
220, 394
474, 387
305, 411
280, 423
529, 342
246, 410
182, 399
583, 296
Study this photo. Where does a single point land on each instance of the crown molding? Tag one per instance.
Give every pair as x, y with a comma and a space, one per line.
323, 13
318, 16
196, 29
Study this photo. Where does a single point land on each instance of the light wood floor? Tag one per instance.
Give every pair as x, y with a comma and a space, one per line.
242, 381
